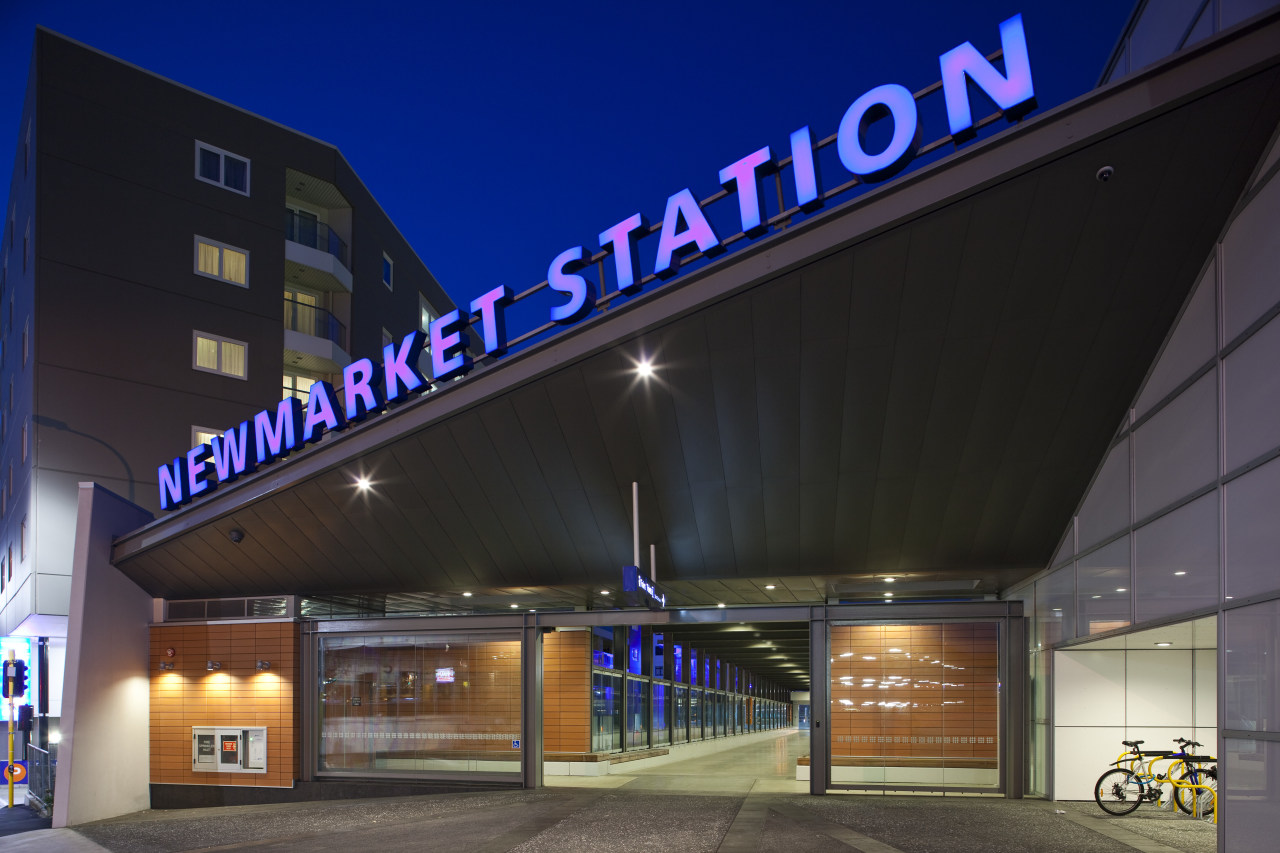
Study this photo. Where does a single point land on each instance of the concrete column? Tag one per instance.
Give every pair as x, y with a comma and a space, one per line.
104, 763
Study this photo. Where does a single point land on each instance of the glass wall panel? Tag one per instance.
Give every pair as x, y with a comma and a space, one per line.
1177, 560
637, 713
1253, 536
634, 656
913, 704
1106, 508
659, 658
1176, 452
661, 734
1248, 795
1251, 677
1251, 256
1104, 589
1252, 397
429, 703
606, 712
695, 714
1193, 342
1055, 619
681, 733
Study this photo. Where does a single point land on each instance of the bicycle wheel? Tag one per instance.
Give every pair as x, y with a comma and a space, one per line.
1118, 792
1186, 798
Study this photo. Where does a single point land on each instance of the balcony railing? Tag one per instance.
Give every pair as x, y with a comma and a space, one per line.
317, 235
315, 321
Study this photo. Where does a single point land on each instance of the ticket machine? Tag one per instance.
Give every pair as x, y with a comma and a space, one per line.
227, 749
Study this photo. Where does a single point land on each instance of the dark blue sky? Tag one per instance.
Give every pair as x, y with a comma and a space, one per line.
498, 134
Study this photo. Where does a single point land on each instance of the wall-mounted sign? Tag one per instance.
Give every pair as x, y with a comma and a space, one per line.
444, 675
369, 387
642, 588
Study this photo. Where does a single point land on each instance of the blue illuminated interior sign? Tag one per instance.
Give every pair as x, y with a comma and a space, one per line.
369, 388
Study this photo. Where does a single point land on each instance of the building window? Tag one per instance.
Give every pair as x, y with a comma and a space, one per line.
223, 262
297, 385
26, 246
24, 442
203, 435
22, 541
215, 354
26, 338
425, 315
216, 166
388, 269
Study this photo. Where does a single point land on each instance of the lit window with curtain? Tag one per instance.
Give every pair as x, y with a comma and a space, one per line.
223, 262
216, 354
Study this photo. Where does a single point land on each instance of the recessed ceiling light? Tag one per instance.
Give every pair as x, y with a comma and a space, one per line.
362, 483
1097, 596
890, 580
888, 595
1163, 645
644, 369
770, 586
1179, 574
1122, 589
515, 606
466, 595
604, 592
721, 604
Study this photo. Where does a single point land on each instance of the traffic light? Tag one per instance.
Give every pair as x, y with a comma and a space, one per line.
25, 717
15, 678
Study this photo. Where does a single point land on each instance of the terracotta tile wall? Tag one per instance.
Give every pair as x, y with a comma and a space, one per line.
566, 690
236, 695
938, 684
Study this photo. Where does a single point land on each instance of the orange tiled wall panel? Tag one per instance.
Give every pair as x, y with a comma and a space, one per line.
922, 691
236, 695
566, 690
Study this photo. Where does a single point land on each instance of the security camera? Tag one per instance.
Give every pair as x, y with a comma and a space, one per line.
1104, 174
236, 536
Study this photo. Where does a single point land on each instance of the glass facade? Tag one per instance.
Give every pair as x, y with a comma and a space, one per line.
446, 703
606, 712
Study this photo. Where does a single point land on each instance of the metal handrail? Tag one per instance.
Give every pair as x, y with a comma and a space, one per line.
315, 321
317, 235
42, 765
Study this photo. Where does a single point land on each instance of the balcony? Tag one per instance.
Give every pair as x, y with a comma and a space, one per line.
315, 256
314, 339
317, 235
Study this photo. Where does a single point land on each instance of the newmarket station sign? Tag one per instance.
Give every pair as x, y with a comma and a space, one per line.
369, 387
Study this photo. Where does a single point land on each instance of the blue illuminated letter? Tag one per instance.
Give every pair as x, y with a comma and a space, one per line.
901, 107
805, 170
683, 207
173, 484
562, 276
493, 320
743, 175
622, 239
1013, 91
232, 454
400, 367
360, 389
322, 412
449, 347
274, 438
197, 477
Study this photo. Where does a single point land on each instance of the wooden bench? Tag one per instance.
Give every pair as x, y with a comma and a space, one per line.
610, 757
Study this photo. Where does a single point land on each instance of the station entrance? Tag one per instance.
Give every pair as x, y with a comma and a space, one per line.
927, 700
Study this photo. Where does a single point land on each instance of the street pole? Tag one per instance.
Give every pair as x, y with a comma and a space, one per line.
8, 666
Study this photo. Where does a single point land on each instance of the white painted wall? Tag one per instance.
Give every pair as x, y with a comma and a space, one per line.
1104, 697
104, 759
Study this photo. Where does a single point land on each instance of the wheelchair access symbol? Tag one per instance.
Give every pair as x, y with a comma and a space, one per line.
515, 744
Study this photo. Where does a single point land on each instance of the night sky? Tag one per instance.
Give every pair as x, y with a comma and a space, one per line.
496, 135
